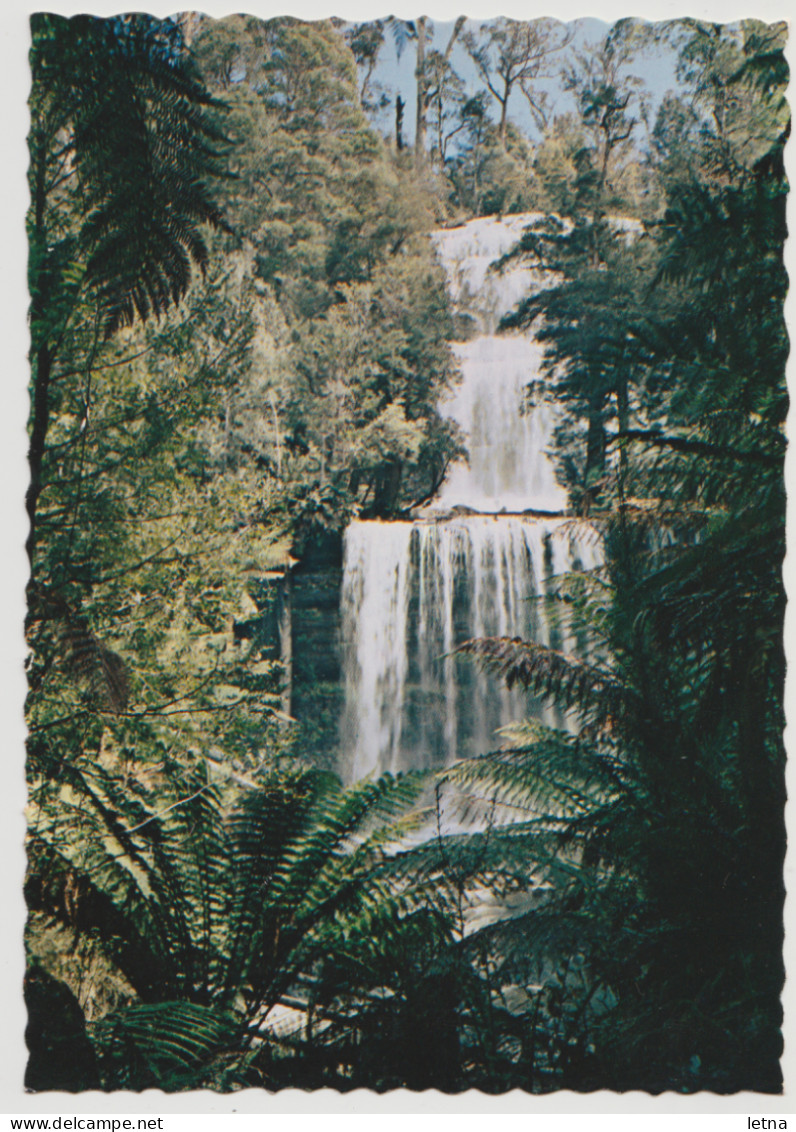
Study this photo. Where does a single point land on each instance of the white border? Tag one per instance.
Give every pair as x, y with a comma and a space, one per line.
14, 79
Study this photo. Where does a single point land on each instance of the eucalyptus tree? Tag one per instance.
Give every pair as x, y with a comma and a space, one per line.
339, 241
608, 98
513, 54
430, 73
430, 64
231, 50
445, 96
366, 41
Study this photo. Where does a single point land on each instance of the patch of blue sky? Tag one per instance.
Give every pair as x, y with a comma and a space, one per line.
395, 74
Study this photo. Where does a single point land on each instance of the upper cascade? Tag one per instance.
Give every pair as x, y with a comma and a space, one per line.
468, 253
507, 439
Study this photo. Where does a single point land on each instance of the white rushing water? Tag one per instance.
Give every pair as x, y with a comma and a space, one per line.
413, 592
508, 469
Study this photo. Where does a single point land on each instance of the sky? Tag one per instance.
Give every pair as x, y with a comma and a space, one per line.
395, 72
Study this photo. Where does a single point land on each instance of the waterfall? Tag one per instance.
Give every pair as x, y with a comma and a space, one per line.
413, 591
508, 469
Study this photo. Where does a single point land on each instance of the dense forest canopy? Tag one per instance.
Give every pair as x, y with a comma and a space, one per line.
240, 339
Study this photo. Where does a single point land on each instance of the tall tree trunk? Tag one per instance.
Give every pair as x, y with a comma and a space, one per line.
399, 122
457, 27
595, 442
190, 23
504, 105
420, 75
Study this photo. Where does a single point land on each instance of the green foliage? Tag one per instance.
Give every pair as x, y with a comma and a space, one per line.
514, 54
213, 903
114, 109
167, 1045
488, 174
155, 513
120, 145
369, 376
555, 165
607, 99
669, 799
339, 240
584, 908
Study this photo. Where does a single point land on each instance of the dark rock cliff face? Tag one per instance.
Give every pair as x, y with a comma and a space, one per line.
298, 623
317, 689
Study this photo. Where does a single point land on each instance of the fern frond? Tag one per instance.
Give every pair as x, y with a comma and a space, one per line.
546, 772
168, 1044
544, 671
98, 668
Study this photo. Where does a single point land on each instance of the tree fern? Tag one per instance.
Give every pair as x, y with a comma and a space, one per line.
540, 669
142, 143
217, 908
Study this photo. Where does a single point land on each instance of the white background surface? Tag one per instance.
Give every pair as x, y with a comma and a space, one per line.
467, 1109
